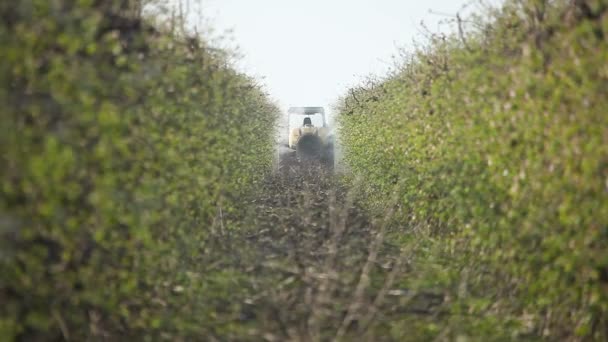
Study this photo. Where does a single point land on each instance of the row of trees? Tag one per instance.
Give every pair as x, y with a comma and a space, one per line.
494, 142
123, 147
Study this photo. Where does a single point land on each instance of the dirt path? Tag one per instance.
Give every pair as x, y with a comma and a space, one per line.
317, 267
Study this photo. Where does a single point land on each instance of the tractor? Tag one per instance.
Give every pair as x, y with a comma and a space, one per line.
310, 140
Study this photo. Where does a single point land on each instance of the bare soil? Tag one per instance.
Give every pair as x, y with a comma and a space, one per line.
317, 267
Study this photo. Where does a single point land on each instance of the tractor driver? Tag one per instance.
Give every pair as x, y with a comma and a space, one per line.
307, 122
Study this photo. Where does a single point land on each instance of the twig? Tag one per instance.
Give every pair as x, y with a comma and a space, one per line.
461, 33
352, 92
364, 280
338, 227
367, 319
222, 221
62, 326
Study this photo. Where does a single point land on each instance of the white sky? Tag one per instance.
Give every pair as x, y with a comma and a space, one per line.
308, 52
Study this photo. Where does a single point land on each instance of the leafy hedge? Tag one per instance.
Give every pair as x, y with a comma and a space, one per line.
119, 145
497, 144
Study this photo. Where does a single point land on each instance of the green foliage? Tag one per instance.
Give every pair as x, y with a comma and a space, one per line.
119, 145
496, 143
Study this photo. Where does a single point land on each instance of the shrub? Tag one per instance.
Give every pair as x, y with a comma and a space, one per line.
119, 145
496, 143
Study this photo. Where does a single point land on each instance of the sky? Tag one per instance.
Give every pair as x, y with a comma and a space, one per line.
307, 53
